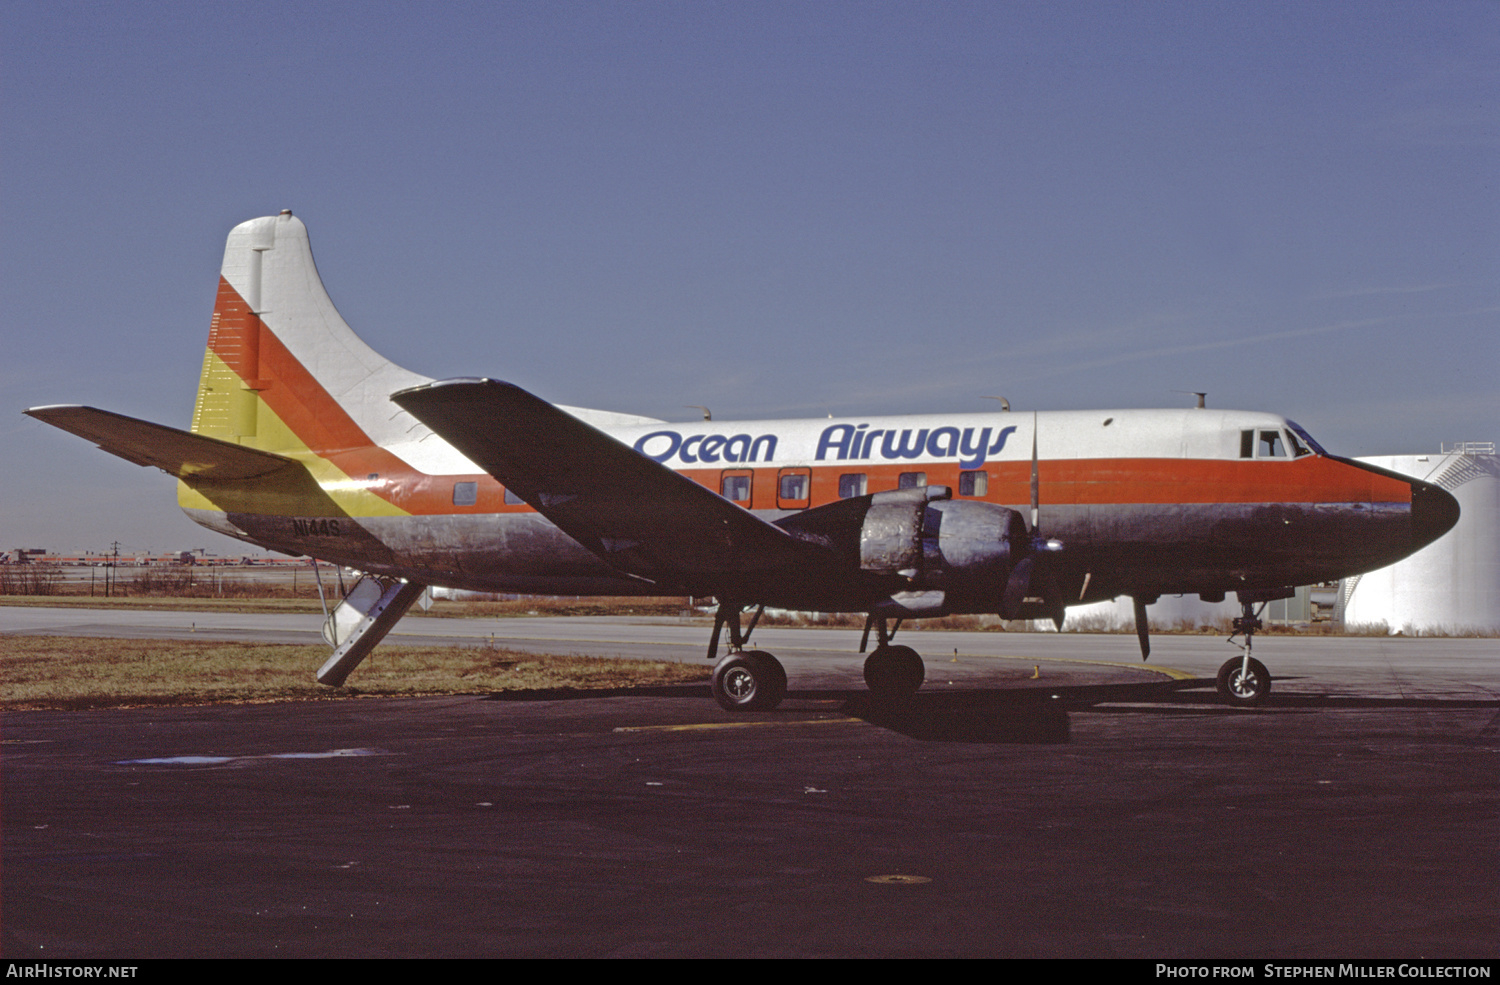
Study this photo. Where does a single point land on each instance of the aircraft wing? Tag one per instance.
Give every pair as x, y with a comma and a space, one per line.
179, 453
633, 512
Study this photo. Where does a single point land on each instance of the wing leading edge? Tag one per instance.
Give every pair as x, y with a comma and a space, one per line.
635, 513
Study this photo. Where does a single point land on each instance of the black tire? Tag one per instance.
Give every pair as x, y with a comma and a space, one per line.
749, 681
894, 672
1243, 689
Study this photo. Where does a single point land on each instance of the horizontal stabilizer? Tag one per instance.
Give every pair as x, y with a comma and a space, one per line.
179, 453
633, 512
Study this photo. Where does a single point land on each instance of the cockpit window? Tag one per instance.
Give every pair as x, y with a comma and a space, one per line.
1297, 449
1300, 432
1270, 445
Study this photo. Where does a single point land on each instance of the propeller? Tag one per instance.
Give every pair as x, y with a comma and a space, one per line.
1018, 585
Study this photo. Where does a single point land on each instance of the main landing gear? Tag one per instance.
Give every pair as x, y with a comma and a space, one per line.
753, 680
745, 680
750, 680
890, 671
1243, 680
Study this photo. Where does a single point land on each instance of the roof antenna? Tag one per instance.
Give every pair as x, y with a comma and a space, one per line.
707, 414
1004, 404
1202, 397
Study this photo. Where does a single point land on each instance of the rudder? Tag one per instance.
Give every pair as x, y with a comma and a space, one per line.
282, 370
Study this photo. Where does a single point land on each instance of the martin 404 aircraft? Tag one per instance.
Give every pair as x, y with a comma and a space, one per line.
304, 440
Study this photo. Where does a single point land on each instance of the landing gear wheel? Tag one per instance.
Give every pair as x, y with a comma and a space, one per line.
894, 672
1244, 688
752, 680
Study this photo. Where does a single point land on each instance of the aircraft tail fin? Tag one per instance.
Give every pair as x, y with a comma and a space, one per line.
282, 370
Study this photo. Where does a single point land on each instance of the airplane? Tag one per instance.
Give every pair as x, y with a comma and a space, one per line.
306, 441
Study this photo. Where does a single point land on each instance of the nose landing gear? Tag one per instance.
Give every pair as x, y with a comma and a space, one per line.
1244, 681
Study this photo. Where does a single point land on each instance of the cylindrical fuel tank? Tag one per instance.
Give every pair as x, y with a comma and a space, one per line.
1453, 584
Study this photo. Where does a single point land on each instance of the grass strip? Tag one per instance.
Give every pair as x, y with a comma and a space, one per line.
55, 672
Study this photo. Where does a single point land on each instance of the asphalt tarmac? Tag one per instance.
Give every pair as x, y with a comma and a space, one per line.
1043, 796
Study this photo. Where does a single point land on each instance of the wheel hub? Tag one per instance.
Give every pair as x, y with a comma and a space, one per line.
740, 683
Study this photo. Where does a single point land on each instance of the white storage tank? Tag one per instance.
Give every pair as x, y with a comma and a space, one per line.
1166, 613
1453, 584
1180, 612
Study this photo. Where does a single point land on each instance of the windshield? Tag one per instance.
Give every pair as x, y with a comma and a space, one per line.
1297, 431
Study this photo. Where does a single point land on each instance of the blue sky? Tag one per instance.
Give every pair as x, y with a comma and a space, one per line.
773, 209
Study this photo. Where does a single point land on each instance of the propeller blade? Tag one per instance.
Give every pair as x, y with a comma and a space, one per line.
1016, 588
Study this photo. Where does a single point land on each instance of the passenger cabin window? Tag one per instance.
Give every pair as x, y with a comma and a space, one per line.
793, 487
911, 480
465, 493
851, 485
973, 483
511, 499
737, 488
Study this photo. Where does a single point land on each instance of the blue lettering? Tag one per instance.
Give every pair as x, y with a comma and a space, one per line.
1000, 441
707, 447
673, 436
904, 448
827, 442
939, 449
869, 442
973, 455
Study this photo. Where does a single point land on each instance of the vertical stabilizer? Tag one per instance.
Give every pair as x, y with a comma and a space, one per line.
283, 371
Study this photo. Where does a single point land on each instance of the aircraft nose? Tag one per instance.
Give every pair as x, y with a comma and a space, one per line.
1434, 511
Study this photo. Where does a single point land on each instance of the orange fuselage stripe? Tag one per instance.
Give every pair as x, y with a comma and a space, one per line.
296, 397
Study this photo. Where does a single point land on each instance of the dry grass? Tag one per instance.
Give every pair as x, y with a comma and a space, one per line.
75, 673
169, 602
603, 605
442, 608
31, 579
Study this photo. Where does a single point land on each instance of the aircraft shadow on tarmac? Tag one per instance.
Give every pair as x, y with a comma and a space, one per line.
993, 715
1013, 715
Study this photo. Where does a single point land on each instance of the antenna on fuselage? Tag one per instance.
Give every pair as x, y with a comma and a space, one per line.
1004, 404
1200, 394
708, 415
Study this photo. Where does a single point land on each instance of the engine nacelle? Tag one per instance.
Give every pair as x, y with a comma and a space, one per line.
963, 548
